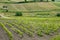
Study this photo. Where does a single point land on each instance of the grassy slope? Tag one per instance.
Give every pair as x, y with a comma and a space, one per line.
57, 4
34, 20
37, 7
43, 6
4, 1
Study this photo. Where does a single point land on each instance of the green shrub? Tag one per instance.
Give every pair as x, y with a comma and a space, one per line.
18, 14
58, 15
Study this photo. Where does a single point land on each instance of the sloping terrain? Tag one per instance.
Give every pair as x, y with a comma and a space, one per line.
57, 4
31, 9
3, 0
38, 6
33, 6
27, 29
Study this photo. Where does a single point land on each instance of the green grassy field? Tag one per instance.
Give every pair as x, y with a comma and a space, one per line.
38, 22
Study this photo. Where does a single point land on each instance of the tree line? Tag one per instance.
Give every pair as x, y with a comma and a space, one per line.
40, 0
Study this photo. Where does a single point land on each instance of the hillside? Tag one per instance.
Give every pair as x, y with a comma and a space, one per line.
29, 21
38, 6
34, 7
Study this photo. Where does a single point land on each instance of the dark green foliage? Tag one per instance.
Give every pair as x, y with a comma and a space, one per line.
25, 0
53, 0
58, 15
8, 0
5, 10
41, 0
18, 14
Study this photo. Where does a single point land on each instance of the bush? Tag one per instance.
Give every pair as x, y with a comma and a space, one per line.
58, 15
18, 14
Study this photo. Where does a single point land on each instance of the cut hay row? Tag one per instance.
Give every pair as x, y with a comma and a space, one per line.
33, 27
24, 29
7, 31
15, 29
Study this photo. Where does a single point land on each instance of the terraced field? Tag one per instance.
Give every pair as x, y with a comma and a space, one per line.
32, 9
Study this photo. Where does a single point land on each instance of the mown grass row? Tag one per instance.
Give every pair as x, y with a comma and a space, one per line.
42, 25
15, 30
7, 31
39, 26
23, 29
26, 27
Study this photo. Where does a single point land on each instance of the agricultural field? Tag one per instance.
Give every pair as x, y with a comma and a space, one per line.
29, 28
29, 21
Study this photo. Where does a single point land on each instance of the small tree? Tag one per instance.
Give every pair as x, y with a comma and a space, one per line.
25, 0
34, 0
41, 0
18, 14
53, 0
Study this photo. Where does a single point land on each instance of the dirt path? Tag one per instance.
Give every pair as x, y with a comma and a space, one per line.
2, 16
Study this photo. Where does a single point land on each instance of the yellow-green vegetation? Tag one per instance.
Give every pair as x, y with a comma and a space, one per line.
7, 31
37, 19
30, 25
39, 33
25, 30
57, 4
57, 37
15, 29
18, 31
